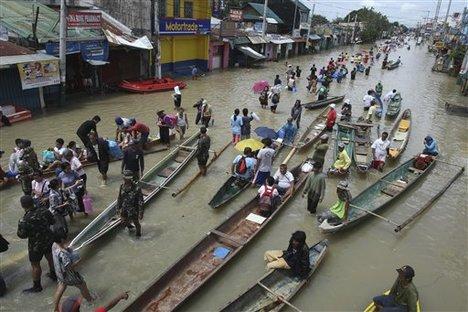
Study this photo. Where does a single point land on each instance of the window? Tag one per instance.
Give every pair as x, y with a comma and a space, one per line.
176, 8
162, 8
188, 9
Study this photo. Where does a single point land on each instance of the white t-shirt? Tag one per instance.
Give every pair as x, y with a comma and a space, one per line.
126, 123
40, 187
265, 156
261, 190
61, 151
387, 97
380, 149
76, 163
367, 100
284, 180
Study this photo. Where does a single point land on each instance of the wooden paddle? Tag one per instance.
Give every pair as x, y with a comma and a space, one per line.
375, 215
430, 202
196, 176
279, 297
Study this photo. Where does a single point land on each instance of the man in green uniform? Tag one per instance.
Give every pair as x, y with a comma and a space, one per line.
379, 89
25, 172
321, 150
339, 211
130, 202
314, 188
203, 148
35, 226
403, 296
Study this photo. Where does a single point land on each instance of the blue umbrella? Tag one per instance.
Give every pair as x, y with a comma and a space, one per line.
265, 132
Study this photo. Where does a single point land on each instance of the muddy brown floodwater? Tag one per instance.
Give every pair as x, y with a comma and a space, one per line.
361, 262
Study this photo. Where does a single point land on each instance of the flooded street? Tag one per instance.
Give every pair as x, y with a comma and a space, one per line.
361, 262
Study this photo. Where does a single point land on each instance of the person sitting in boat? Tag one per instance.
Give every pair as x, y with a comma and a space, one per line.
339, 211
331, 118
284, 181
403, 295
5, 177
342, 163
122, 124
430, 146
322, 93
288, 132
139, 131
130, 202
389, 96
243, 166
268, 197
346, 111
380, 151
295, 258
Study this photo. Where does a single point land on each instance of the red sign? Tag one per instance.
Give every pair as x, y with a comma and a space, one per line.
235, 15
88, 20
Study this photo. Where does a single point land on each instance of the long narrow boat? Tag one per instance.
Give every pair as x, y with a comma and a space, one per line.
461, 110
345, 135
362, 156
399, 136
394, 107
228, 191
380, 194
393, 65
372, 308
151, 184
313, 131
323, 103
207, 257
280, 282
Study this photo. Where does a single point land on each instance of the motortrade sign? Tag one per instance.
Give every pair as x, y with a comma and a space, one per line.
183, 26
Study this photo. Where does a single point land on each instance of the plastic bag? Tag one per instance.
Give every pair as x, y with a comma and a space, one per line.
88, 203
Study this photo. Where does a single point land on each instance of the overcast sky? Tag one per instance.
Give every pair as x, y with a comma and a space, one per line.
406, 12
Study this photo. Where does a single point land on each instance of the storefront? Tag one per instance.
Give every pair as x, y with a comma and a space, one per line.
219, 55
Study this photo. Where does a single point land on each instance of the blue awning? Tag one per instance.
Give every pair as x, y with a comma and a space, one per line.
314, 37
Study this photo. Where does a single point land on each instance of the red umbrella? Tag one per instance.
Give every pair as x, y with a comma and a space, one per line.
259, 86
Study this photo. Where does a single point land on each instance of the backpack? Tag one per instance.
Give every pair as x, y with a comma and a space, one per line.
241, 166
267, 196
275, 98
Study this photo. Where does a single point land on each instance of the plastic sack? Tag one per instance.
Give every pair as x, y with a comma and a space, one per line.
88, 203
114, 149
48, 157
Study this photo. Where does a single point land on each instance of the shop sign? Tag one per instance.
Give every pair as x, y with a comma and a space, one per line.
39, 74
183, 26
86, 20
97, 50
235, 15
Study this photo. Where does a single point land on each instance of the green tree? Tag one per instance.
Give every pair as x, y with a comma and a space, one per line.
374, 23
318, 19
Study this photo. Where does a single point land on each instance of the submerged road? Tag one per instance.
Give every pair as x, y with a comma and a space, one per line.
361, 262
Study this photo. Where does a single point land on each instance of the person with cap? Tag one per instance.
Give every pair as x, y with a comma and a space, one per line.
65, 261
342, 162
206, 114
35, 226
380, 151
295, 258
321, 150
296, 113
133, 160
314, 187
346, 111
403, 296
264, 163
73, 304
139, 132
4, 121
331, 118
339, 211
130, 202
177, 97
122, 124
103, 155
164, 124
203, 150
83, 133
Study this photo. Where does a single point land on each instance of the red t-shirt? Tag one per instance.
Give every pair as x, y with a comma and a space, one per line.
139, 127
331, 117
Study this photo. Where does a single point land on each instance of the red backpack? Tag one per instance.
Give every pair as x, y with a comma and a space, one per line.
241, 166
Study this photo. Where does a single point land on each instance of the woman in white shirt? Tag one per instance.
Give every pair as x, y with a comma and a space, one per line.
40, 189
76, 165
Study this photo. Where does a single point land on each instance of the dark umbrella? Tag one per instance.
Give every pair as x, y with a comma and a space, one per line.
265, 132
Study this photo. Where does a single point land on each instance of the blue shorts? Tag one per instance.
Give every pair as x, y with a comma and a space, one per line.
389, 304
261, 177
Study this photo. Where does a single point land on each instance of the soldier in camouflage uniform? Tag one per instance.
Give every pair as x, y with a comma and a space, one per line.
30, 156
35, 226
130, 202
26, 173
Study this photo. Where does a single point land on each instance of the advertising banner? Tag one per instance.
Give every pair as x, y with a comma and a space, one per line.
184, 26
97, 50
235, 15
39, 74
86, 20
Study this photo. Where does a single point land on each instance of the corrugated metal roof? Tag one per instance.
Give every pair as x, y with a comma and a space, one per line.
18, 16
9, 48
257, 39
269, 13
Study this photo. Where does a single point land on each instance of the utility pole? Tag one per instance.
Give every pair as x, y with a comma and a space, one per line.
63, 50
347, 29
434, 25
448, 11
354, 29
295, 15
264, 24
156, 64
310, 24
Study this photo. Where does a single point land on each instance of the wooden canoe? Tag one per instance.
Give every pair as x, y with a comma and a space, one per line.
230, 189
456, 109
345, 135
392, 65
313, 131
362, 156
394, 106
193, 270
323, 103
281, 282
151, 184
399, 136
380, 194
372, 308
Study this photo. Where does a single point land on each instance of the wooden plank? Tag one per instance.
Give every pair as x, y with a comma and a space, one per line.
228, 237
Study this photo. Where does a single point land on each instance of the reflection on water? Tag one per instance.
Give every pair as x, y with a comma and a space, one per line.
361, 261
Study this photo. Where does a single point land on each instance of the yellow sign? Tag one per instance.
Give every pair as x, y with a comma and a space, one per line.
39, 73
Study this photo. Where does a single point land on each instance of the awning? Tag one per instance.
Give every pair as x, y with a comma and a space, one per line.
97, 63
18, 59
240, 40
314, 37
257, 39
251, 52
281, 41
271, 20
128, 40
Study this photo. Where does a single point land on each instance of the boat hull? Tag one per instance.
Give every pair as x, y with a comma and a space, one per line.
313, 131
399, 136
230, 190
323, 103
151, 85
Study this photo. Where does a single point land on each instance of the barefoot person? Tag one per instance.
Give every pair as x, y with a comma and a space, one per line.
203, 148
380, 151
130, 202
